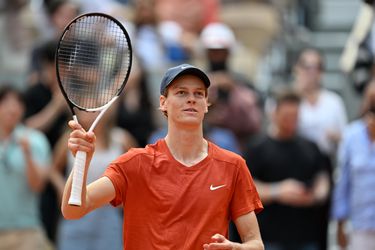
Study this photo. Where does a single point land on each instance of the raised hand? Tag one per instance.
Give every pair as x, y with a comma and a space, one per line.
80, 140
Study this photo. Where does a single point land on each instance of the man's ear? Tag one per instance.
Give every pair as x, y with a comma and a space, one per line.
162, 103
208, 105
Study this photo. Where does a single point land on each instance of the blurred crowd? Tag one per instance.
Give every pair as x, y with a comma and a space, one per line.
311, 164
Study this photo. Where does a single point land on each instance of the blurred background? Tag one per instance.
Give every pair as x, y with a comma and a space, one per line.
269, 34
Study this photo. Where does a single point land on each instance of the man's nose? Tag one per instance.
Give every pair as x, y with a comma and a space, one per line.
191, 97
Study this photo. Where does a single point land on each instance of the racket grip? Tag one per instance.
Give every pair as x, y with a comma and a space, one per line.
77, 182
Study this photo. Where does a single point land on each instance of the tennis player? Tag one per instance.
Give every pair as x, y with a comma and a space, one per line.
182, 191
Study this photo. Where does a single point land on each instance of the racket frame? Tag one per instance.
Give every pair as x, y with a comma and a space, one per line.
80, 158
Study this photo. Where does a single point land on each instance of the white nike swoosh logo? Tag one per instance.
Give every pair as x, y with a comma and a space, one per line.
212, 188
185, 67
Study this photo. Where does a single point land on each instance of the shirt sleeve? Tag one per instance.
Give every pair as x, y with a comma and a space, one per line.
118, 178
245, 196
340, 199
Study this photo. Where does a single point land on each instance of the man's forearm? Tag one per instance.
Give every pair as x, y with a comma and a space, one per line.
250, 245
72, 211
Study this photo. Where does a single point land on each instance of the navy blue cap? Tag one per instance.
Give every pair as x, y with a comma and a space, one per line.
183, 69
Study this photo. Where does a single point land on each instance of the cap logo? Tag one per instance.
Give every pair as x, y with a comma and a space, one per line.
184, 67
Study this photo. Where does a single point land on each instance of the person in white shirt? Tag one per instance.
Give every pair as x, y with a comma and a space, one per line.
322, 113
322, 116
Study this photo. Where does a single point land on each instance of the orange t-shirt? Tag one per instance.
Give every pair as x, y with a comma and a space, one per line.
170, 206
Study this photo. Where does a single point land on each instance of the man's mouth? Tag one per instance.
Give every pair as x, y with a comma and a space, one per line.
190, 110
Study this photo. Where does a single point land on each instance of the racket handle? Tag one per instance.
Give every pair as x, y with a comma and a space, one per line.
77, 182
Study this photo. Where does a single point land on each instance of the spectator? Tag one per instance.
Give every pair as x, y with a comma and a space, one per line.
322, 116
288, 171
164, 187
136, 113
218, 41
24, 162
19, 29
47, 111
58, 14
191, 15
235, 102
46, 108
102, 227
353, 201
234, 107
157, 44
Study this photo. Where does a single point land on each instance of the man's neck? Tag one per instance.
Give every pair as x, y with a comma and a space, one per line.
311, 95
278, 134
187, 146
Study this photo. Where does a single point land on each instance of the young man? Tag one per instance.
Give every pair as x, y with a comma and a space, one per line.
291, 178
180, 192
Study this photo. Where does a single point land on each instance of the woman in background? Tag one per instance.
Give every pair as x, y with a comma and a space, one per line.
24, 163
103, 227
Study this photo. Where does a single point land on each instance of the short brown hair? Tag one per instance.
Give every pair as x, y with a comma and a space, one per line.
9, 88
286, 94
305, 50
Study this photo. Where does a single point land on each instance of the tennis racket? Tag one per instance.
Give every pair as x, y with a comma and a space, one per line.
93, 63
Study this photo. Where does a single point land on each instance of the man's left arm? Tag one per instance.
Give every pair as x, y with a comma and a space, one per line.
248, 228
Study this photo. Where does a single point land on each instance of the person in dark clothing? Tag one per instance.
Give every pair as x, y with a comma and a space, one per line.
291, 178
135, 112
58, 14
235, 101
47, 111
46, 108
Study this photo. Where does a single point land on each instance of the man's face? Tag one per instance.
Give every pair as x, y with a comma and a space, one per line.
286, 118
218, 55
11, 110
186, 101
308, 71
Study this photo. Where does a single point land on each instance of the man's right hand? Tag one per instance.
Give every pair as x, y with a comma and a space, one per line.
80, 140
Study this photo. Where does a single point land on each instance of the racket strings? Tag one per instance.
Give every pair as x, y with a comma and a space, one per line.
94, 58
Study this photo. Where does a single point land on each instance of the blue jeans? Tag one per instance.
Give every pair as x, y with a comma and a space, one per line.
291, 246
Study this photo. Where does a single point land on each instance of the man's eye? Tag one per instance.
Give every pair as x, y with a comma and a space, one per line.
199, 94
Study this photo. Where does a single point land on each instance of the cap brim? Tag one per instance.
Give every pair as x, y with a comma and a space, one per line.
196, 72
